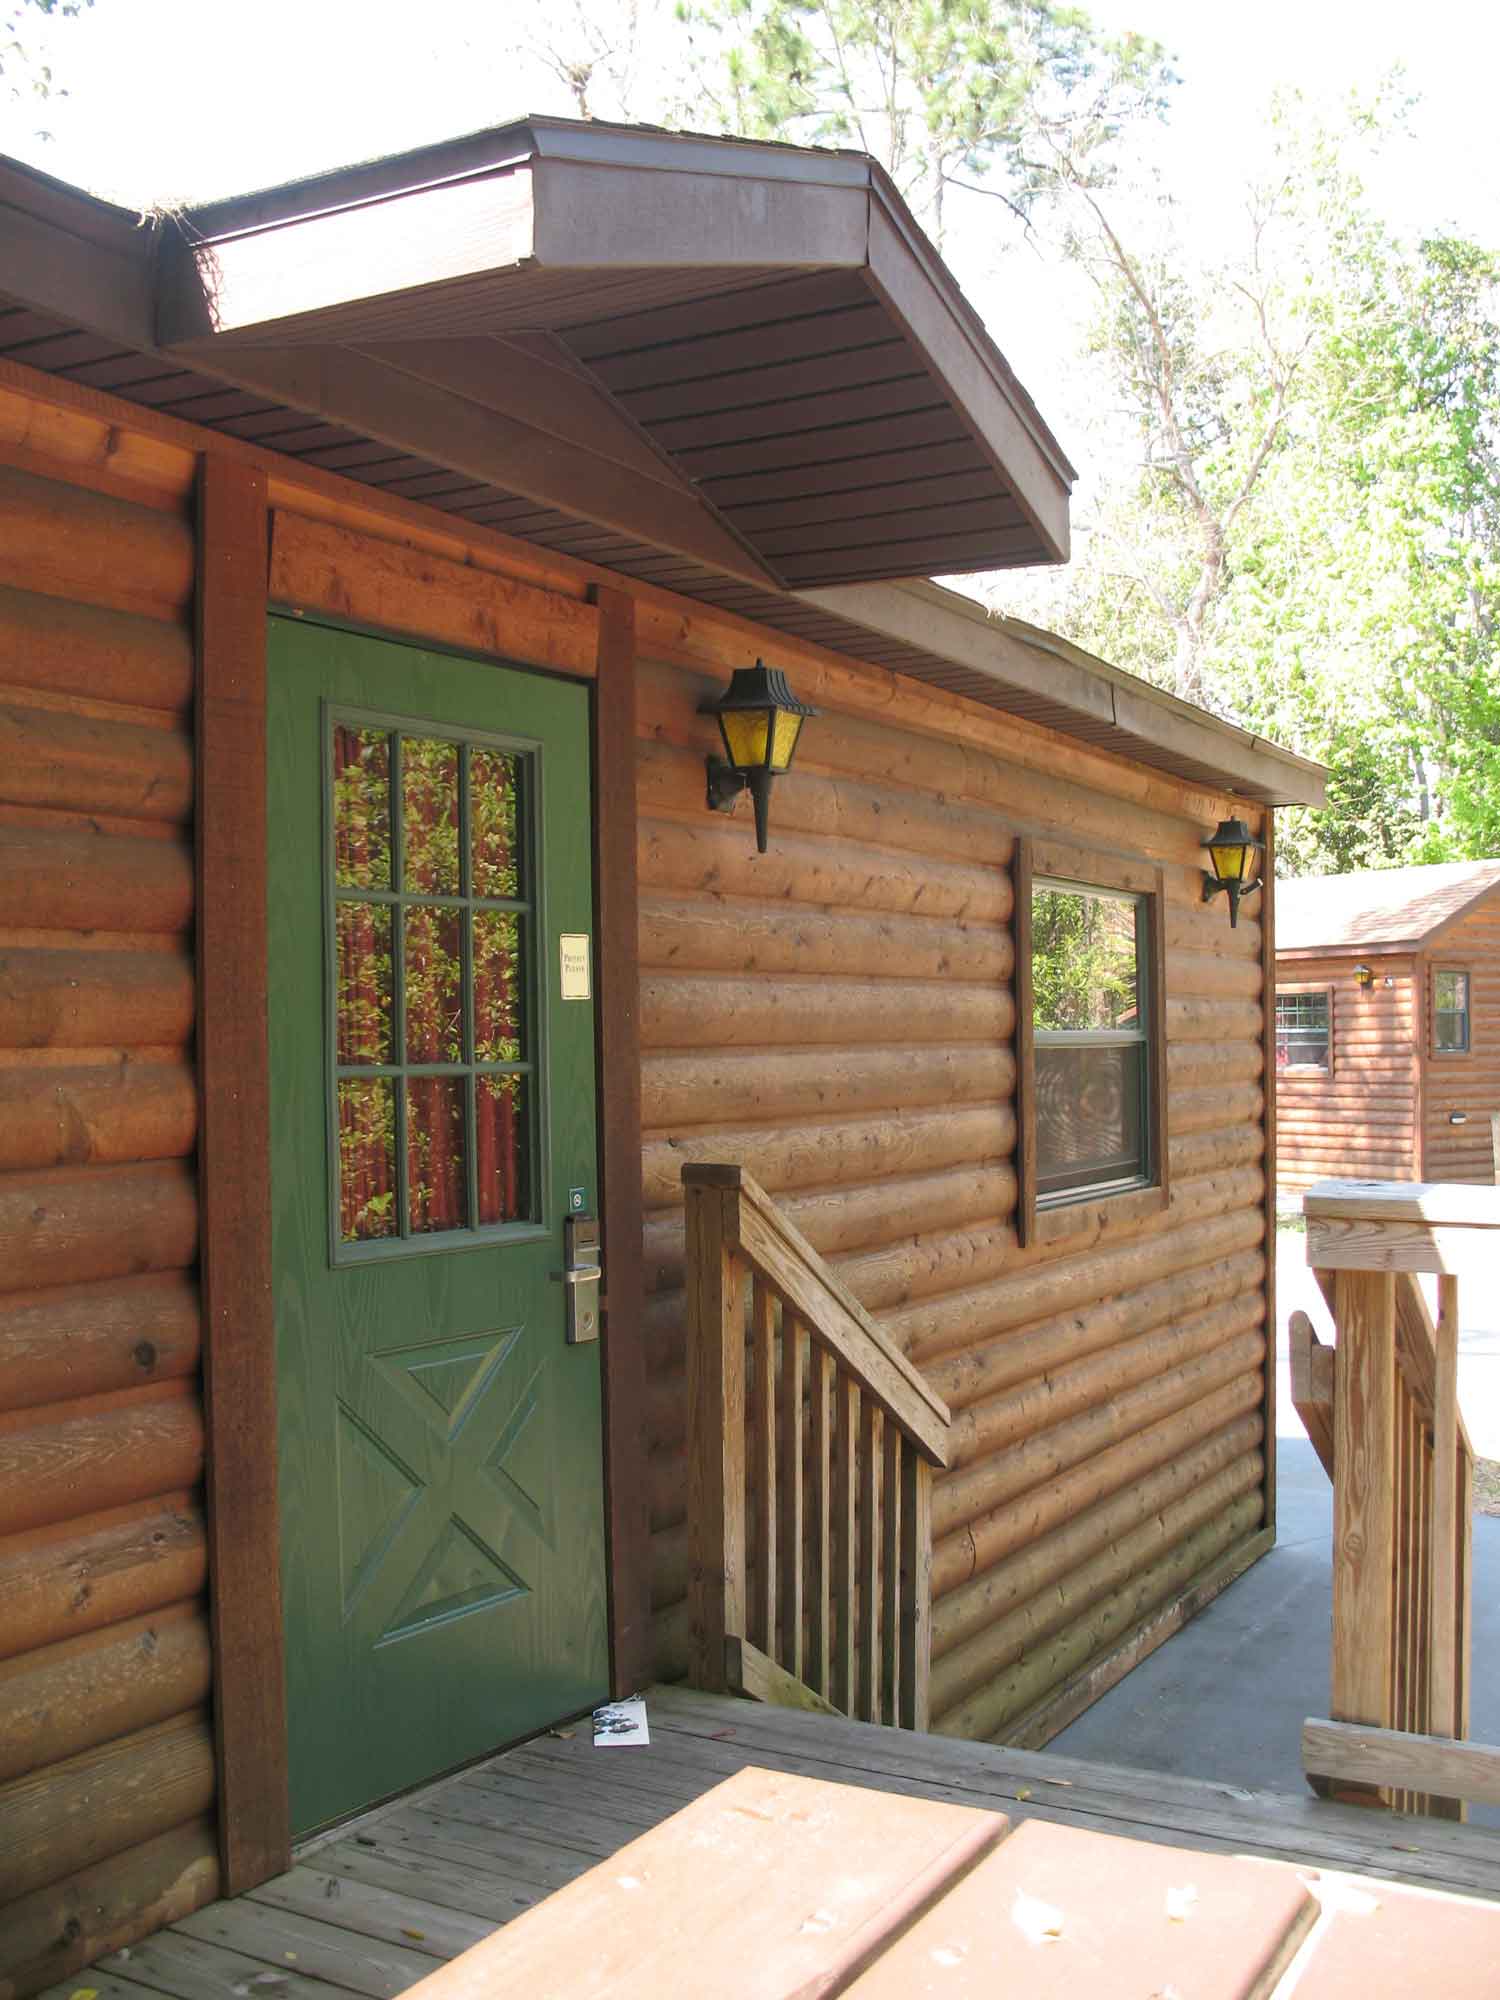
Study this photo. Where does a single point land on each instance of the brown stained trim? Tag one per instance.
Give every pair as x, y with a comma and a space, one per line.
1161, 1152
234, 1176
1421, 972
1025, 1054
618, 1055
1267, 915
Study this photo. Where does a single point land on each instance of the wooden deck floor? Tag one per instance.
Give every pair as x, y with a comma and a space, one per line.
374, 1908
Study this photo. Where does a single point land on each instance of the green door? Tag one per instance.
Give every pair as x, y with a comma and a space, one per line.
433, 1122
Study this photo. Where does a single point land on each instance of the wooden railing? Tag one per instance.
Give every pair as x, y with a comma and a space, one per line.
811, 1445
1381, 1408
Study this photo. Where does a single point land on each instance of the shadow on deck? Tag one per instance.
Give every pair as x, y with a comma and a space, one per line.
374, 1908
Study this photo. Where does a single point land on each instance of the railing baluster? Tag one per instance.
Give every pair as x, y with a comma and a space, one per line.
820, 1429
790, 1463
1445, 1535
716, 1434
890, 1551
845, 1547
763, 1467
871, 1430
916, 1586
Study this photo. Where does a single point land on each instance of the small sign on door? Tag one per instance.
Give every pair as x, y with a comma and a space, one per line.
573, 953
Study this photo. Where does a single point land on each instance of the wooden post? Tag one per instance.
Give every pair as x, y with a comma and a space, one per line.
763, 1482
790, 1517
618, 1069
234, 1176
1363, 1500
820, 1435
845, 1551
1444, 1623
916, 1588
870, 1441
716, 1433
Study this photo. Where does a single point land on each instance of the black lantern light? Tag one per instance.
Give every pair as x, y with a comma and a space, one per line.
1236, 856
760, 720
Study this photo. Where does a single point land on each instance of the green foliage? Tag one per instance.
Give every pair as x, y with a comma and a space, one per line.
1309, 538
934, 89
1083, 960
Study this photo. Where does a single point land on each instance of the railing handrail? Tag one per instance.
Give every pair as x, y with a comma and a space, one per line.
782, 1255
1444, 1227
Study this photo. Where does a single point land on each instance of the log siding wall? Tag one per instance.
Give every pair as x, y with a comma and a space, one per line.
1364, 1118
1469, 1084
106, 1758
837, 1016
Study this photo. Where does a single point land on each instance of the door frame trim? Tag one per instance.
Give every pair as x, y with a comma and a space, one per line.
234, 1163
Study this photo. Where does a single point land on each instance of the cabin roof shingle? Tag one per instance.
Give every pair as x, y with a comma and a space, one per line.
1389, 907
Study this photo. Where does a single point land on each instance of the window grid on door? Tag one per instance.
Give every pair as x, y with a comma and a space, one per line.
431, 913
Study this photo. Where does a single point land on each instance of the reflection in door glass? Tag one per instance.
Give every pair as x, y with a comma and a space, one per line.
498, 986
495, 795
432, 1004
361, 807
367, 1159
435, 1177
429, 815
434, 984
504, 1149
363, 948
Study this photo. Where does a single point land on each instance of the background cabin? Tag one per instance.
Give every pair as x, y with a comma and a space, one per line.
1388, 1024
369, 549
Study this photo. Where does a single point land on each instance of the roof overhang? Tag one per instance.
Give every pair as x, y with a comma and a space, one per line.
745, 353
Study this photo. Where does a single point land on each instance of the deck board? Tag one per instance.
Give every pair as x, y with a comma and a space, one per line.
372, 1909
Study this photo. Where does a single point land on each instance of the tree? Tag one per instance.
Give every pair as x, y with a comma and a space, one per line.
1303, 527
21, 74
942, 92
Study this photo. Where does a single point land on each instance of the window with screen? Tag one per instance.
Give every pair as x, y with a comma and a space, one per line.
1304, 1030
1450, 1013
1091, 1039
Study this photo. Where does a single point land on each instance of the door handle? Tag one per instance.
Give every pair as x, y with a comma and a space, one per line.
580, 1277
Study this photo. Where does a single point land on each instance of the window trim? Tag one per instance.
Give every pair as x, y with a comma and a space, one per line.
1326, 988
1449, 1055
1074, 1212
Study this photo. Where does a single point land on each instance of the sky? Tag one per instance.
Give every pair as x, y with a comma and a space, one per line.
181, 100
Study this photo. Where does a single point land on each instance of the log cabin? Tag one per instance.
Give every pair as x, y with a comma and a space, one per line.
371, 960
1388, 1024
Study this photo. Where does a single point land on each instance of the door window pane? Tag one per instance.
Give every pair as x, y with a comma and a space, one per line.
503, 1141
361, 807
436, 1181
362, 1004
499, 986
495, 808
1303, 1028
367, 1159
433, 982
432, 1037
429, 815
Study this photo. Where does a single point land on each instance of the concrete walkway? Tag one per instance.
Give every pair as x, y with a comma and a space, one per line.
1225, 1698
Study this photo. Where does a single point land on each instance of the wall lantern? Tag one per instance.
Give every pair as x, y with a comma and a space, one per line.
1364, 975
760, 720
1236, 856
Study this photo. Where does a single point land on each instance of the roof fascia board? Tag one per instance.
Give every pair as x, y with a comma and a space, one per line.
249, 283
610, 216
699, 153
1038, 477
73, 258
943, 622
346, 385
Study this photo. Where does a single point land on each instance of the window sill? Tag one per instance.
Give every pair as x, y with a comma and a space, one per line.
1089, 1214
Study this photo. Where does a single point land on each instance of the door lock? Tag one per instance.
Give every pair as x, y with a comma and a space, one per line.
580, 1277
